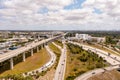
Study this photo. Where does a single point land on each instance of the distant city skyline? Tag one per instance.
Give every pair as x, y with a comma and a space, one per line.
59, 14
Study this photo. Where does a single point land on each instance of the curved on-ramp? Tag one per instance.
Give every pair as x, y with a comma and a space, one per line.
47, 65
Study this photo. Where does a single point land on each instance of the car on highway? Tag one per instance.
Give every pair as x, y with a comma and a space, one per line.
62, 64
59, 72
12, 48
1, 52
93, 72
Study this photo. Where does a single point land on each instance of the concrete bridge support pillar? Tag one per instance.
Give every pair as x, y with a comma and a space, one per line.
42, 46
31, 52
11, 63
37, 48
24, 57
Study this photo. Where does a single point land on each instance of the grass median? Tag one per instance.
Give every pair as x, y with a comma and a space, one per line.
59, 42
57, 52
55, 49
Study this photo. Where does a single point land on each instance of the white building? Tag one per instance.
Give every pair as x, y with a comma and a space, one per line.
90, 38
98, 39
83, 36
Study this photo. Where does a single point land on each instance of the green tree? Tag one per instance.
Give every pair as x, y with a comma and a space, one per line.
108, 39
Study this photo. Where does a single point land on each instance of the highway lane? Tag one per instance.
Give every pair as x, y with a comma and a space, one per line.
18, 51
57, 46
109, 58
89, 74
47, 65
108, 49
60, 71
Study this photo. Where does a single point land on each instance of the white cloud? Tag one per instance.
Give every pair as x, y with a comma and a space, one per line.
26, 13
109, 7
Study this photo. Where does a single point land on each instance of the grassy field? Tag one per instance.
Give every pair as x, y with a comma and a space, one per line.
80, 61
55, 49
31, 63
108, 75
58, 42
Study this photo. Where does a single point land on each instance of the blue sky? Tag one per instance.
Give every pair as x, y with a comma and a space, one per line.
97, 11
59, 14
76, 5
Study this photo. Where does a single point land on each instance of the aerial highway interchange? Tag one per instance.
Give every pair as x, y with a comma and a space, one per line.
112, 59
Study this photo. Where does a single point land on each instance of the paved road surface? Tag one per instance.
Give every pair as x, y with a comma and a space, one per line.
18, 51
60, 71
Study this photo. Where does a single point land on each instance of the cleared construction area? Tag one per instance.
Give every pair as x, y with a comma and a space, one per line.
107, 75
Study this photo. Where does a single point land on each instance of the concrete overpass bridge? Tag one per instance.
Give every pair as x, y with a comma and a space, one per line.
30, 47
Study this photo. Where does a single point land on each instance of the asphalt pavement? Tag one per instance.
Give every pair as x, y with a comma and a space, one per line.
60, 71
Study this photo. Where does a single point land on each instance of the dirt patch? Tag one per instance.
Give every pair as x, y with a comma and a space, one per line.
108, 75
